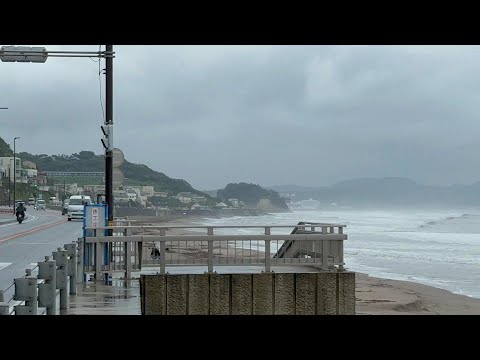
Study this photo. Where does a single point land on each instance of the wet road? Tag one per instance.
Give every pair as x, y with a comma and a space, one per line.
23, 245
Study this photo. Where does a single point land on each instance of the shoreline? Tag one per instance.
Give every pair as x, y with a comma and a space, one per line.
380, 296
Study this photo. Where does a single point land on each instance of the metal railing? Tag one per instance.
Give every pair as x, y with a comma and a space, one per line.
44, 286
125, 252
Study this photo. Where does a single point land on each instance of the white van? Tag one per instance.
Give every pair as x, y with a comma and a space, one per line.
75, 206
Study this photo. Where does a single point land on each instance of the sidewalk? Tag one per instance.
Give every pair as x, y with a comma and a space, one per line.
120, 298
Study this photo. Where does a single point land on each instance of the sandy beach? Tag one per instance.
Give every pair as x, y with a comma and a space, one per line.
376, 296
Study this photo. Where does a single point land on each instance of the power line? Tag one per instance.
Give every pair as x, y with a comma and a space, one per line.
100, 85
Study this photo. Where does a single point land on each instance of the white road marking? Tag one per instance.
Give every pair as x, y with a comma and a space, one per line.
4, 265
29, 218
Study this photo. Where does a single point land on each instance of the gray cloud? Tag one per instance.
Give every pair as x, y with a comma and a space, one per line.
310, 115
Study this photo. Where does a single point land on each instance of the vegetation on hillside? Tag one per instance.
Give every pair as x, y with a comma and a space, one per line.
252, 195
135, 174
22, 191
5, 149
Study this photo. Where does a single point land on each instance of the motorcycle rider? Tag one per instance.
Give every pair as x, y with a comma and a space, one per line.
20, 210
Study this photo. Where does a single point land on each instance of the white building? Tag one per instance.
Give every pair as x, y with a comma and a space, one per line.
132, 195
31, 172
7, 164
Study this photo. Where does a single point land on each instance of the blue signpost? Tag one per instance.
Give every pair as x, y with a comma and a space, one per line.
94, 216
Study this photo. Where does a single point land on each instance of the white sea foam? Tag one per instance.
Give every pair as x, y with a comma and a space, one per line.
439, 248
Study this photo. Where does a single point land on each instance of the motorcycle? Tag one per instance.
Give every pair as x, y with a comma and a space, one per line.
20, 217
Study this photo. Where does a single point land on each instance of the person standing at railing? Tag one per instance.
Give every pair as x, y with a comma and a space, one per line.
155, 253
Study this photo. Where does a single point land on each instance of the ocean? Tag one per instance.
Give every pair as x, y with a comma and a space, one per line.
440, 248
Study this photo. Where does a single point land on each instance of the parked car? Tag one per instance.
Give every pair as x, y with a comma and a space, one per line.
65, 206
40, 205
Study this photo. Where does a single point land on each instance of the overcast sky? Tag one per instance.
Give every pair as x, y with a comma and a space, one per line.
272, 115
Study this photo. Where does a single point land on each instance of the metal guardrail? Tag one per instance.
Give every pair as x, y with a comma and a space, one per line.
127, 253
41, 287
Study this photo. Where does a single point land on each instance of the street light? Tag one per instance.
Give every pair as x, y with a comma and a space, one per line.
40, 55
14, 171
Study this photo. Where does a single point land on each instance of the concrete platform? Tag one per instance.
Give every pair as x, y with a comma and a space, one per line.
96, 298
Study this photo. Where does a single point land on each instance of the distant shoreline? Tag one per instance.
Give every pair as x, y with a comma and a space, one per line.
182, 214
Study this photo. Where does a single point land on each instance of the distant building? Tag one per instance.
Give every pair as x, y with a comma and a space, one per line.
31, 173
132, 195
184, 197
221, 205
142, 200
198, 207
75, 173
160, 194
234, 202
29, 165
41, 178
94, 189
7, 164
148, 190
199, 199
120, 197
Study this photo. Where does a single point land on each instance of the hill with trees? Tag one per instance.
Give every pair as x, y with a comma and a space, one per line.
254, 196
134, 174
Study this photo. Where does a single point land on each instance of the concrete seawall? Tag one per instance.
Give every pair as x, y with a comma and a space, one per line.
324, 293
174, 214
211, 213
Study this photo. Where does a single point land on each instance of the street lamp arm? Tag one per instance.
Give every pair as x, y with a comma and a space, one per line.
101, 56
40, 55
9, 51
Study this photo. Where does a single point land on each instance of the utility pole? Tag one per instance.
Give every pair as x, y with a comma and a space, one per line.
109, 121
9, 186
14, 171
